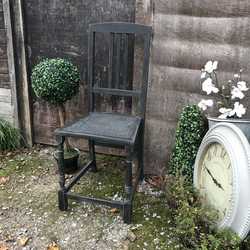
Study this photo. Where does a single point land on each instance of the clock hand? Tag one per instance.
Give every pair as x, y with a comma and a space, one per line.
214, 180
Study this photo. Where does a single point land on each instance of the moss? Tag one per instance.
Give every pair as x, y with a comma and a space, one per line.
107, 182
155, 230
24, 162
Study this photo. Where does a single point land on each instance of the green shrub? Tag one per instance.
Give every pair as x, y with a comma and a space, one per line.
194, 225
191, 128
55, 80
10, 137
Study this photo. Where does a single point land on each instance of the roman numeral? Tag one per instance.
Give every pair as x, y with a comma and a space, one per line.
223, 153
215, 150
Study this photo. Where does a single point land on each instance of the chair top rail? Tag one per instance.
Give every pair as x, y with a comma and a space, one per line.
120, 27
116, 92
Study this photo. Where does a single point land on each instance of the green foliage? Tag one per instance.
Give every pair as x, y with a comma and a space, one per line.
194, 224
55, 80
10, 137
191, 128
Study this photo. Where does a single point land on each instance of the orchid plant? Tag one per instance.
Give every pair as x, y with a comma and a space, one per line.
229, 95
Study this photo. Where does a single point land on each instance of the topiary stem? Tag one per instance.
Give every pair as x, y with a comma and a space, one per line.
61, 112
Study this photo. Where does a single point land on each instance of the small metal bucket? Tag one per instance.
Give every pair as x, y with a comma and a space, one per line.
70, 164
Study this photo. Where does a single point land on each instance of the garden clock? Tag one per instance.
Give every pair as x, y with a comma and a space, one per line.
222, 175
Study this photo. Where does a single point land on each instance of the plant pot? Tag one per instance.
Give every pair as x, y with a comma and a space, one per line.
242, 124
70, 160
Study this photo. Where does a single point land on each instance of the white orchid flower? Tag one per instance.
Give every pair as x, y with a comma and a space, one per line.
225, 113
210, 66
204, 104
236, 76
242, 86
239, 109
203, 74
215, 65
237, 93
209, 87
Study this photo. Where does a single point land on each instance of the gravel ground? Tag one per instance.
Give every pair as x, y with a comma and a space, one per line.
29, 216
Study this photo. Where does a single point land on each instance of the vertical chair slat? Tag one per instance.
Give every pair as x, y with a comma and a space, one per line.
125, 62
91, 64
118, 60
111, 55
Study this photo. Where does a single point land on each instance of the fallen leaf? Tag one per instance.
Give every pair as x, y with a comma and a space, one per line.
23, 241
131, 236
3, 246
53, 246
156, 181
4, 179
114, 210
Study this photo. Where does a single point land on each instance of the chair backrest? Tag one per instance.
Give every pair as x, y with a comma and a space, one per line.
118, 61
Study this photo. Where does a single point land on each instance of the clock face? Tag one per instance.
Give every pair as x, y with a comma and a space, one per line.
216, 178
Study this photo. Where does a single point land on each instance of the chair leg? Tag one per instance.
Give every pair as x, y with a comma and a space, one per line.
127, 213
62, 197
127, 209
62, 200
92, 155
128, 176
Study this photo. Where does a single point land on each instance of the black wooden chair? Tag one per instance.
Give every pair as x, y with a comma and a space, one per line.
110, 129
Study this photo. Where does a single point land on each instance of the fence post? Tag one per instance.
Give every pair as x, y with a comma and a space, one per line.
21, 68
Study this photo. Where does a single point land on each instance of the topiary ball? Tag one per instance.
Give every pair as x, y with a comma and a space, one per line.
191, 128
55, 80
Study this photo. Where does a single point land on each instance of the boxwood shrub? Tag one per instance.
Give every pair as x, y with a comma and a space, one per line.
191, 128
55, 80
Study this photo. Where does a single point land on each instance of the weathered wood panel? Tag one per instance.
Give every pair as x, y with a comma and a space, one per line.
186, 35
5, 95
1, 19
2, 35
159, 138
3, 52
205, 8
59, 29
193, 55
4, 72
175, 77
6, 107
4, 66
225, 30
